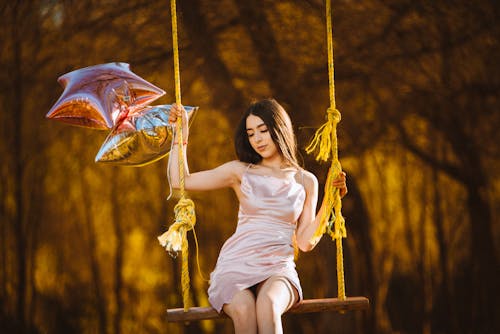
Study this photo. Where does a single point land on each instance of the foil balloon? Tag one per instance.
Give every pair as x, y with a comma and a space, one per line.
97, 96
110, 96
144, 136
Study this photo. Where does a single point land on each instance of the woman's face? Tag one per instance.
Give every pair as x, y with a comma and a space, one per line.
259, 137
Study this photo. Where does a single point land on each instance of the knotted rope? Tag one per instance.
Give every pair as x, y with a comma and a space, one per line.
324, 143
175, 239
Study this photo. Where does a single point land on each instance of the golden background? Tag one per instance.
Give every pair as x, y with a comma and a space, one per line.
417, 83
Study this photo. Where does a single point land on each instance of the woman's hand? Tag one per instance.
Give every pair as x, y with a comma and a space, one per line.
177, 111
340, 183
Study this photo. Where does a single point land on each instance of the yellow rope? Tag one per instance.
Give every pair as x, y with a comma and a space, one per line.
175, 46
324, 143
175, 239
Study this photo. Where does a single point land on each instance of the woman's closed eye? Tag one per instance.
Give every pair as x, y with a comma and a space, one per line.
251, 134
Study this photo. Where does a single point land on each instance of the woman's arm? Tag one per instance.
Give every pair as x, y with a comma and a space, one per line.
225, 175
309, 221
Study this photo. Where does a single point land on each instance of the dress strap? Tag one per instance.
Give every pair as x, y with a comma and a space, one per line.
301, 171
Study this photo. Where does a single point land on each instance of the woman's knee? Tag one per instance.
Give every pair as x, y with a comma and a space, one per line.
268, 305
242, 309
274, 297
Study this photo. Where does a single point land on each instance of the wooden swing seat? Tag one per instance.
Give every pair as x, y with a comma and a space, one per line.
305, 306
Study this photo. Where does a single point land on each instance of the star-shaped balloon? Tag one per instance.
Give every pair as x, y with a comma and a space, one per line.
144, 136
110, 96
91, 96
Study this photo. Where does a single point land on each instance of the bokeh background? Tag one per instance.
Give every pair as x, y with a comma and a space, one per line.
418, 86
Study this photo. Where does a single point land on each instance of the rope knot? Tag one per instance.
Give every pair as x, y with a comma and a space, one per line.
185, 219
175, 240
185, 214
333, 115
325, 138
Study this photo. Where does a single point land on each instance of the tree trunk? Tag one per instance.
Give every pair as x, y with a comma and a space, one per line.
450, 324
424, 263
358, 228
117, 208
472, 174
485, 267
285, 86
34, 209
18, 149
215, 73
93, 258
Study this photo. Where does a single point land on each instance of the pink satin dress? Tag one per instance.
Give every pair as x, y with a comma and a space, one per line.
262, 245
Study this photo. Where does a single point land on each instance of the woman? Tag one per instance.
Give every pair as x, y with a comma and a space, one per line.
255, 281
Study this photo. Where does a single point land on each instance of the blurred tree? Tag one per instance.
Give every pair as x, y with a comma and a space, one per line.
19, 207
417, 85
209, 63
441, 87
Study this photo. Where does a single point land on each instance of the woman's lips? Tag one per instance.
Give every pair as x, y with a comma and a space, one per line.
261, 147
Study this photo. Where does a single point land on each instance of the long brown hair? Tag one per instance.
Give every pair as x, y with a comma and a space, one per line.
278, 123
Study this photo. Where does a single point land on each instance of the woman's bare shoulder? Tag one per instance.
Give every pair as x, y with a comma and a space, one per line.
235, 165
235, 168
310, 180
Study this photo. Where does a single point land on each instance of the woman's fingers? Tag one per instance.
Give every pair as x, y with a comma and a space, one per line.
340, 183
176, 111
340, 180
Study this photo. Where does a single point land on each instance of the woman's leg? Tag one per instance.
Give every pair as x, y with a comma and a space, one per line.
241, 310
274, 297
